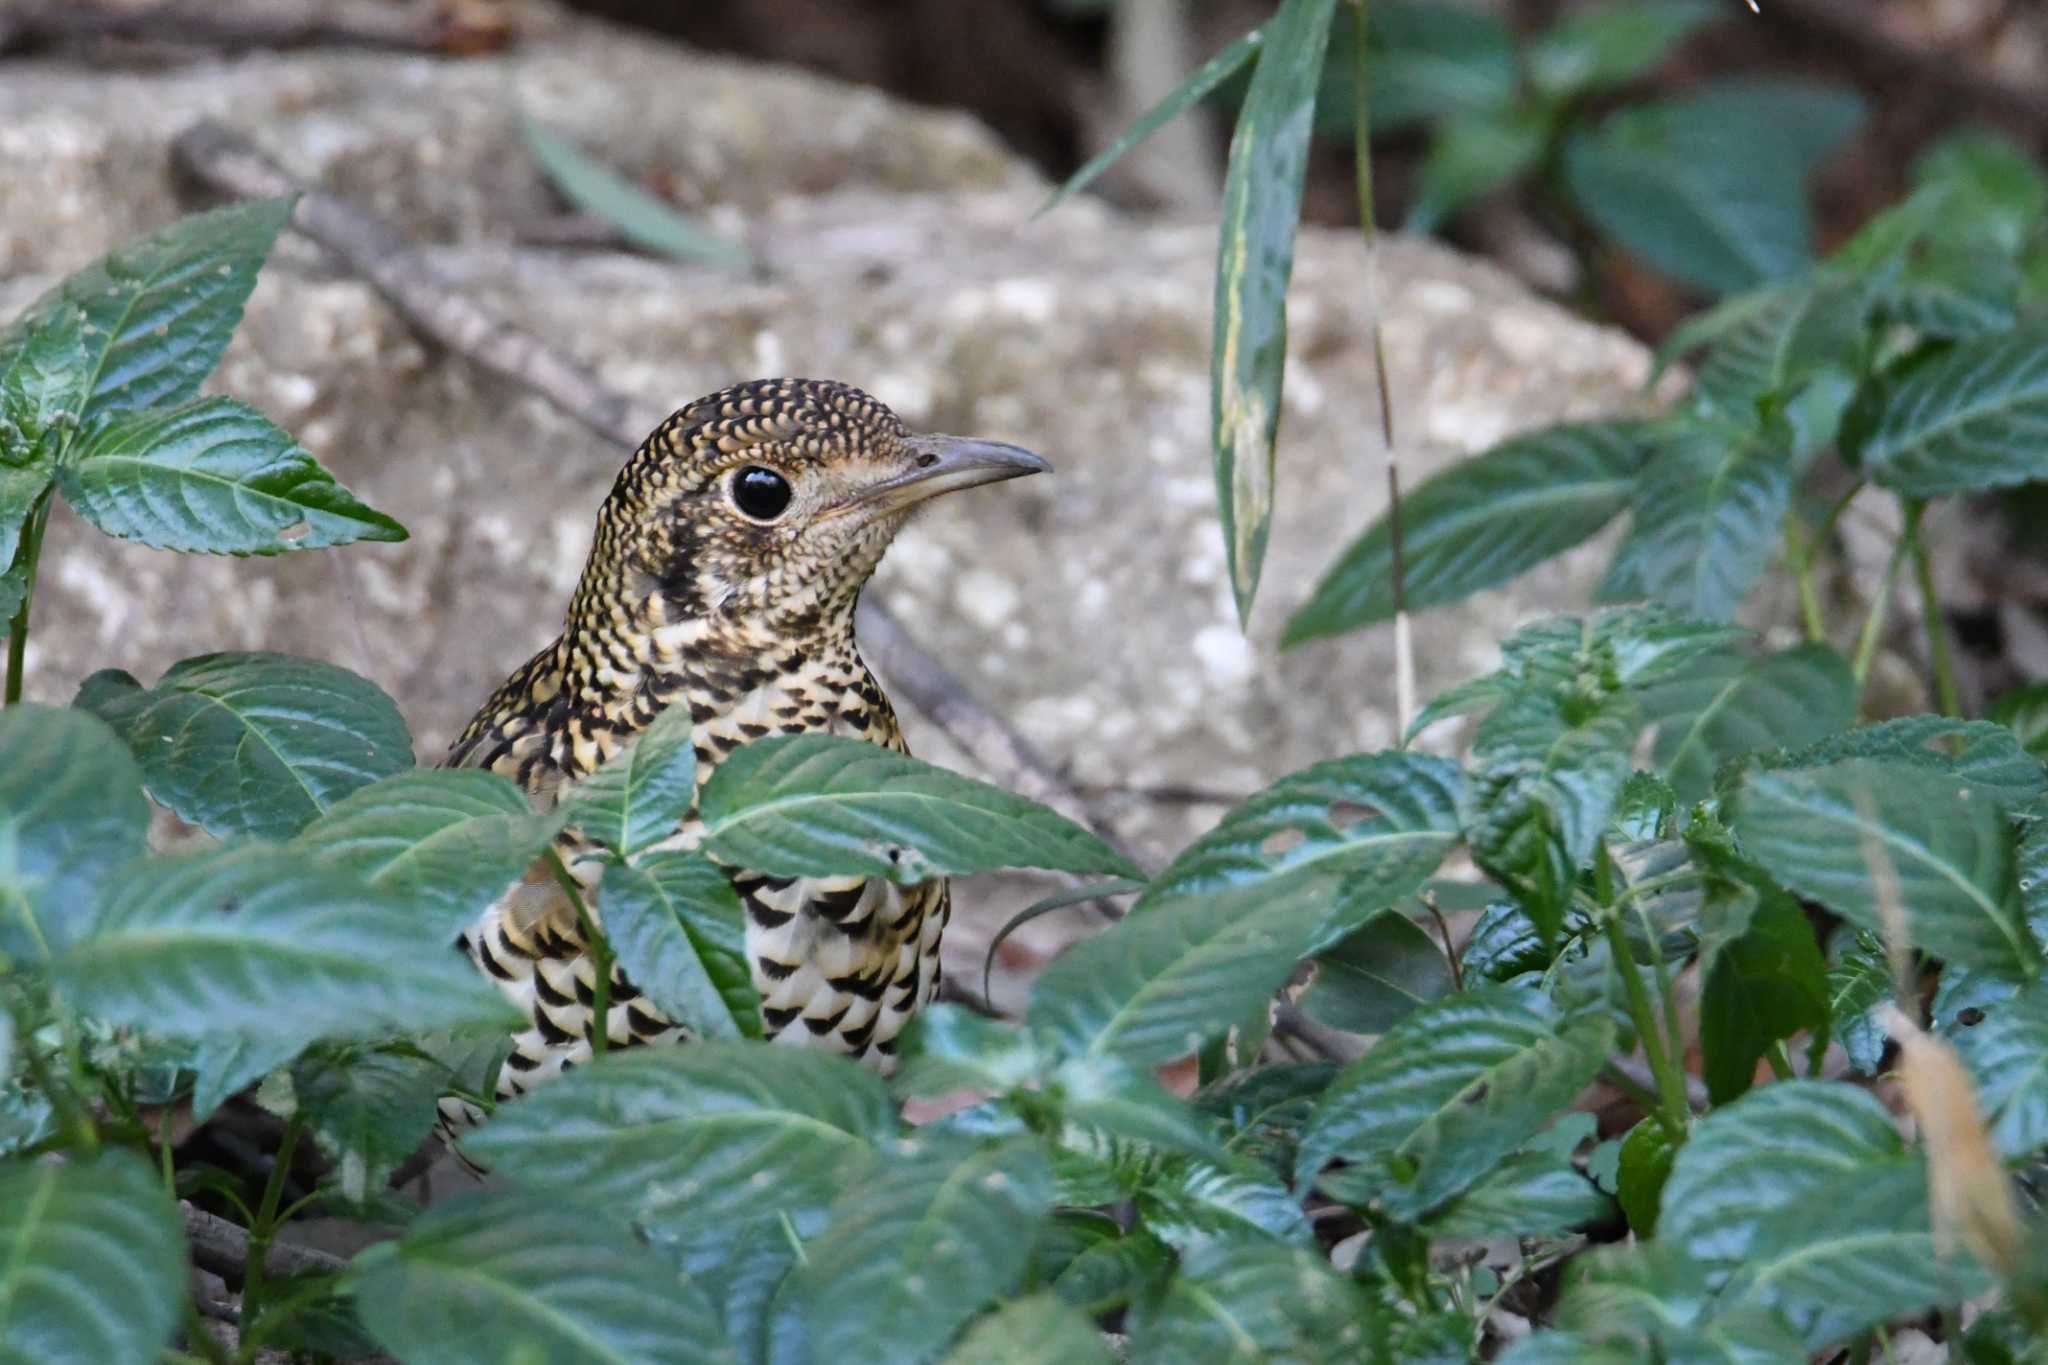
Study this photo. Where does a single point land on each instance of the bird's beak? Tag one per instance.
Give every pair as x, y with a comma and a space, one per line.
946, 464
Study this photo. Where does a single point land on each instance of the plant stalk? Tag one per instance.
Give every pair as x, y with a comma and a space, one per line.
1799, 554
1873, 624
29, 552
1945, 690
600, 955
264, 1228
1673, 1108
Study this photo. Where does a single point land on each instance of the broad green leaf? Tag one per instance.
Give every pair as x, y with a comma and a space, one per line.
1445, 1095
1178, 101
1996, 187
641, 792
1426, 60
696, 1143
253, 941
1187, 1203
641, 217
1474, 154
1481, 523
368, 1109
20, 490
1383, 821
1543, 787
500, 1278
1859, 977
1964, 419
816, 805
1651, 1302
40, 383
225, 1064
1038, 1330
1261, 206
1376, 975
1165, 980
255, 744
1503, 944
1707, 186
1770, 1150
71, 810
214, 476
91, 1261
1535, 1192
2024, 711
1795, 331
1726, 705
909, 1255
1260, 1112
1114, 1273
1127, 1103
446, 841
1707, 515
678, 929
1820, 830
1955, 290
1612, 45
2008, 1056
1856, 1250
1646, 1156
948, 1047
159, 312
1249, 1302
1986, 757
1763, 985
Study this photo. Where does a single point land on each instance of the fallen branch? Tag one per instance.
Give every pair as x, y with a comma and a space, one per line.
240, 25
221, 1248
226, 163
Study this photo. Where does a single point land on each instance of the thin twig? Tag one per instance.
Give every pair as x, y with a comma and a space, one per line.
222, 1249
237, 25
227, 163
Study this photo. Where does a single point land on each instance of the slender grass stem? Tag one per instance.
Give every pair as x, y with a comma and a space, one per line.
1799, 555
1873, 624
263, 1230
1945, 689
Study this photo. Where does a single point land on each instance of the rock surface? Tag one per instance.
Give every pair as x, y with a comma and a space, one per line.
1091, 606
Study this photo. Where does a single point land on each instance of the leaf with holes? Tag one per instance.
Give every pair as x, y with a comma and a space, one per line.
71, 811
696, 1144
214, 476
1261, 207
158, 312
91, 1260
1854, 833
2008, 1058
255, 941
503, 1277
1445, 1095
912, 1253
1239, 1300
255, 744
1985, 757
1376, 975
1959, 419
817, 805
643, 791
678, 929
1708, 512
1482, 522
446, 841
1727, 705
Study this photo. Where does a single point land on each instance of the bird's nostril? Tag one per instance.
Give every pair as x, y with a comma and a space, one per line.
927, 460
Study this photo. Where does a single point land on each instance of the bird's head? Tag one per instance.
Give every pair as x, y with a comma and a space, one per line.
763, 508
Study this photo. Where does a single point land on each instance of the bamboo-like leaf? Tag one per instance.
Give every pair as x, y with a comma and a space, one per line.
640, 217
1261, 206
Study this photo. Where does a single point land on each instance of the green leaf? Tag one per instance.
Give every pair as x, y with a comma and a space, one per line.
1114, 1273
640, 794
1503, 944
1955, 290
696, 1143
678, 929
1188, 1203
2008, 1056
1128, 1103
1708, 513
1706, 187
253, 941
368, 1110
1037, 1330
1481, 523
2024, 711
1376, 975
948, 1047
1727, 705
499, 1278
1427, 60
92, 1261
225, 1064
214, 476
1613, 45
71, 810
1770, 1150
1473, 154
1764, 985
1970, 417
1985, 757
1245, 1302
158, 312
447, 841
1261, 206
1535, 1192
1646, 1157
1163, 981
1653, 1303
256, 743
1819, 830
1858, 978
641, 217
1855, 1251
1445, 1095
912, 1253
1996, 188
1543, 788
1795, 331
1178, 101
818, 805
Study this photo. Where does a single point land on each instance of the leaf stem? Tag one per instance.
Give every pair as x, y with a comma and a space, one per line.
1443, 927
264, 1227
1672, 1109
1873, 624
1936, 624
600, 955
29, 552
1799, 554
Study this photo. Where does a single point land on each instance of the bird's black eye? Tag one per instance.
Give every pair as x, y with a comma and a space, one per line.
761, 493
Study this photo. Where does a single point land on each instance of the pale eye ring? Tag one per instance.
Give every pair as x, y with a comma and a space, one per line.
760, 493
